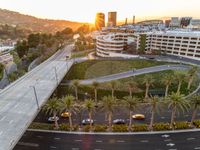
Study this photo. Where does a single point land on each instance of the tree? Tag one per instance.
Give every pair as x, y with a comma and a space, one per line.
68, 104
89, 105
132, 104
113, 85
176, 102
131, 86
53, 107
148, 81
95, 85
191, 74
179, 77
167, 80
195, 103
22, 48
33, 40
109, 103
76, 84
154, 104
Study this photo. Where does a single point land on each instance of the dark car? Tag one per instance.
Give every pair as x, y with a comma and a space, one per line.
119, 121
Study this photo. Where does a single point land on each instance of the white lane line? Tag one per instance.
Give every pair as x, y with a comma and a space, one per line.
197, 148
170, 144
56, 138
144, 141
98, 141
28, 144
1, 132
78, 140
97, 149
75, 148
39, 136
120, 141
165, 136
172, 149
53, 147
189, 139
167, 140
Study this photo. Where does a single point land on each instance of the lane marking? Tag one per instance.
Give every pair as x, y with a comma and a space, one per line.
120, 141
75, 148
170, 144
167, 140
78, 140
98, 141
189, 139
144, 141
28, 144
197, 148
53, 147
165, 136
56, 138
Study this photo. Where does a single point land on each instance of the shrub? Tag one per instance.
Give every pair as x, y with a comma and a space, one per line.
100, 128
141, 127
86, 128
120, 128
161, 126
43, 126
197, 123
64, 127
181, 125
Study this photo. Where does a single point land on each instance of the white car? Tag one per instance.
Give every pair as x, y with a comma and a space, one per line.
87, 121
51, 119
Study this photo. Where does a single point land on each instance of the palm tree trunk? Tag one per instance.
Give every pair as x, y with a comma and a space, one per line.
130, 121
90, 117
166, 90
113, 93
95, 95
130, 92
55, 120
70, 122
190, 82
193, 116
152, 120
172, 117
76, 93
110, 121
179, 87
147, 91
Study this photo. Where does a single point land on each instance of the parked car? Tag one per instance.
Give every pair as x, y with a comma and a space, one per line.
65, 114
119, 121
87, 121
138, 116
51, 119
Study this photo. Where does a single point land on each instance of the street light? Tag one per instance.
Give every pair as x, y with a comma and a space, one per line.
56, 76
36, 98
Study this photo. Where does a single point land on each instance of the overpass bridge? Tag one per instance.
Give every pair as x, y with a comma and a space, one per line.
21, 101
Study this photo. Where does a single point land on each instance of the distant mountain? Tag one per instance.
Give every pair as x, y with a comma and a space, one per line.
35, 24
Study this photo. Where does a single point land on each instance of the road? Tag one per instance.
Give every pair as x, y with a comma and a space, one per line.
18, 105
65, 141
133, 73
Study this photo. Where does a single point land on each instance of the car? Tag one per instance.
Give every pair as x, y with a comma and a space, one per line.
67, 57
65, 114
138, 116
119, 121
51, 119
87, 121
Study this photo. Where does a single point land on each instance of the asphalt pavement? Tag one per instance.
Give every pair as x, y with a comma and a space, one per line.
32, 140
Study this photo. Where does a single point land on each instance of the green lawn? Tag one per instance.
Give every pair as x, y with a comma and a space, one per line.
97, 68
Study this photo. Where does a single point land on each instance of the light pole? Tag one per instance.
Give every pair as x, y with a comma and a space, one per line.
36, 98
56, 76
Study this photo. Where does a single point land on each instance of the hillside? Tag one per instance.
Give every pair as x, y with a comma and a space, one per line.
35, 24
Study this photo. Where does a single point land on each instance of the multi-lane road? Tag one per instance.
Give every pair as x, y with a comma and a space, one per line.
18, 106
66, 141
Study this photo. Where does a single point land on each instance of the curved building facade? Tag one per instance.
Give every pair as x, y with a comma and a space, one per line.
111, 43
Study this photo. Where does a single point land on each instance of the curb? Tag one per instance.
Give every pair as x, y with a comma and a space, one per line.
117, 133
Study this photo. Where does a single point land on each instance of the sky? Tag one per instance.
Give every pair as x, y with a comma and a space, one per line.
85, 10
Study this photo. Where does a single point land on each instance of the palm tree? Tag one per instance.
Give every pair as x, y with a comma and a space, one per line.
132, 104
179, 77
109, 103
154, 103
89, 105
131, 86
76, 84
53, 107
167, 80
191, 74
176, 102
148, 81
113, 85
95, 85
67, 104
195, 103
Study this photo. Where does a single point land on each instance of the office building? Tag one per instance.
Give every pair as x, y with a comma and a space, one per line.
100, 21
112, 19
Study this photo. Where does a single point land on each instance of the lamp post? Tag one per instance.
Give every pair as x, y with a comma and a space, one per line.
56, 76
36, 98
